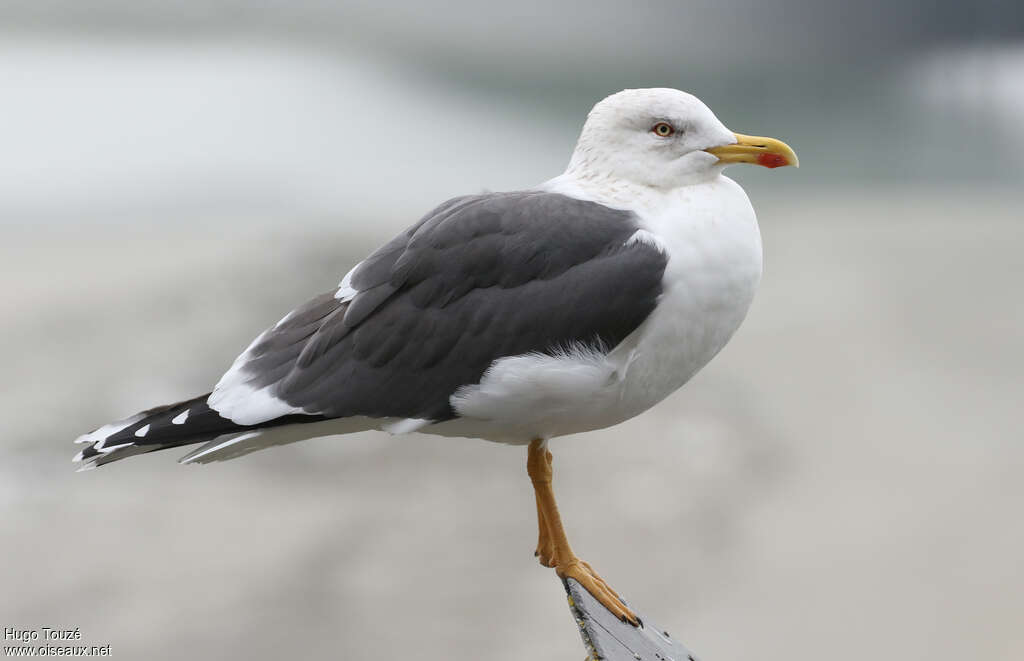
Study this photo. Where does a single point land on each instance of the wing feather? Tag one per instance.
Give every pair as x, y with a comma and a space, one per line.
479, 278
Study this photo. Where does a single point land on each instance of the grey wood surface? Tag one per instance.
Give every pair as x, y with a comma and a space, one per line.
609, 639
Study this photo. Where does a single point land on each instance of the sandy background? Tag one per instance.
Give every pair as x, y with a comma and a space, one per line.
842, 482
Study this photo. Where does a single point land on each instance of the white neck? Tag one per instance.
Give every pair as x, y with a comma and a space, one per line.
587, 184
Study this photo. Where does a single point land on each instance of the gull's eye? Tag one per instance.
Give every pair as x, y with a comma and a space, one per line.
662, 129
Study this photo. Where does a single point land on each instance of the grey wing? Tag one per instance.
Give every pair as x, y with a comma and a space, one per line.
479, 278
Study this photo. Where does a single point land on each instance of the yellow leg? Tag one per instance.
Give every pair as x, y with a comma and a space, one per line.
553, 546
545, 552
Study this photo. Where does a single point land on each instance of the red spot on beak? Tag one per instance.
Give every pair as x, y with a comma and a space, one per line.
771, 160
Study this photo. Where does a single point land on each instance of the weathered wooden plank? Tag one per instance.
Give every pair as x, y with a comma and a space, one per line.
609, 639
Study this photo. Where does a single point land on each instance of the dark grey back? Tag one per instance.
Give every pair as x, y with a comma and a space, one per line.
479, 278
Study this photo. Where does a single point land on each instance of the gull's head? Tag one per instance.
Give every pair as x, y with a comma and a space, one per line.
664, 138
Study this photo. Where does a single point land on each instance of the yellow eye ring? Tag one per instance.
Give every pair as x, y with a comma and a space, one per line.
662, 129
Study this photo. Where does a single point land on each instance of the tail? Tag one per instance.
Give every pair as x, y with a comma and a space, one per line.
185, 423
171, 426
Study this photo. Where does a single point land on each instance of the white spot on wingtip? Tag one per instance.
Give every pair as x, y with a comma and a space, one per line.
180, 418
140, 432
107, 431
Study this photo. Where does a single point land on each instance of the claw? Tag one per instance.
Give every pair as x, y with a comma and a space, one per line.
595, 585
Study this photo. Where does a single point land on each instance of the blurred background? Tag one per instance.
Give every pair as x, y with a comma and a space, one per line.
842, 482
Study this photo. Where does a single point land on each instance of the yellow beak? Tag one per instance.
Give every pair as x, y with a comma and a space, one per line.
769, 152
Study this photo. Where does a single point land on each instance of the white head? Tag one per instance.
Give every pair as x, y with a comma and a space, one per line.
660, 138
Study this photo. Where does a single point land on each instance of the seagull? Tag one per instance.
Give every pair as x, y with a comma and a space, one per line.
513, 317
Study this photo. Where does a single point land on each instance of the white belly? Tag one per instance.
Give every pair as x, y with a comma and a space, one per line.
711, 236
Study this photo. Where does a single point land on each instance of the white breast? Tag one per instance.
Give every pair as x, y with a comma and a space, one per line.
710, 234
